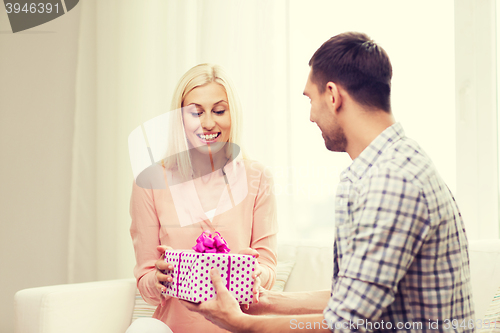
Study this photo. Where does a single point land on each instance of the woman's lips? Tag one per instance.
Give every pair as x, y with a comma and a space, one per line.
209, 137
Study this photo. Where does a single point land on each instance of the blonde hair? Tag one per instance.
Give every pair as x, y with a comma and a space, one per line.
198, 76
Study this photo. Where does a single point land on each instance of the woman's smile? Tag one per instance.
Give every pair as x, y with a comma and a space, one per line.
209, 137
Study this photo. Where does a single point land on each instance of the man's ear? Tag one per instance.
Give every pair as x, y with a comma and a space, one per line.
333, 95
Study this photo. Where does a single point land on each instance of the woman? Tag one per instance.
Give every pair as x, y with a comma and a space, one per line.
204, 185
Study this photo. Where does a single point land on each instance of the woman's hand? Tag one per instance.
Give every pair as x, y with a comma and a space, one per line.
256, 273
263, 306
162, 266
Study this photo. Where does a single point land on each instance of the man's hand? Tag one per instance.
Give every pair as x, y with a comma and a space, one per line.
224, 311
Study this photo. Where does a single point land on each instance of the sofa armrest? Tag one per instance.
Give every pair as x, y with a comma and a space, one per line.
484, 256
104, 306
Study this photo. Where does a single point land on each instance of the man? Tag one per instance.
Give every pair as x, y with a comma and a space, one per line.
400, 254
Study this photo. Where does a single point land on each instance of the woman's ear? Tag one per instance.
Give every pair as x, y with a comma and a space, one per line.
334, 97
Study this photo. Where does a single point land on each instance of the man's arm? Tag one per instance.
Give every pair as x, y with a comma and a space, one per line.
225, 312
288, 303
279, 324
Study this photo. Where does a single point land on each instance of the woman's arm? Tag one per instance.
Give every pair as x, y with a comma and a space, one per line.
265, 224
145, 237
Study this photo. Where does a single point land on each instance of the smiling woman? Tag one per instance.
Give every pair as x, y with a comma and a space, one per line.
208, 186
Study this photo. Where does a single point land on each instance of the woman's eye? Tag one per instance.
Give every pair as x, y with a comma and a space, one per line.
219, 112
196, 114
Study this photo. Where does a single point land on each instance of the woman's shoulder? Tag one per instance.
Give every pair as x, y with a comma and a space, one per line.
151, 178
255, 168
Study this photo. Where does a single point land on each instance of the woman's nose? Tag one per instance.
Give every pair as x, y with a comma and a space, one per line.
208, 122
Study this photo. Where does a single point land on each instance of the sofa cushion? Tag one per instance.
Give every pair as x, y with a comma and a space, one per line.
283, 270
141, 308
491, 319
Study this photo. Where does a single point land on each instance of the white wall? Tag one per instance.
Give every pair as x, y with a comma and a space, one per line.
37, 84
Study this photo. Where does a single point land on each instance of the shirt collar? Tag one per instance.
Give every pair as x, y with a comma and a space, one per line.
370, 154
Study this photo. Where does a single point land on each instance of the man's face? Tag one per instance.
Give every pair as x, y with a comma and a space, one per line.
322, 113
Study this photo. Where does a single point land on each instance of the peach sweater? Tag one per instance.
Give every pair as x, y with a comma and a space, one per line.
156, 215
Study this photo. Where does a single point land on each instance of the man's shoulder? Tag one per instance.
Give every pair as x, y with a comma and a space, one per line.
405, 160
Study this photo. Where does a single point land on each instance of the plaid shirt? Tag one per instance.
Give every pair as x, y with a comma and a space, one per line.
401, 260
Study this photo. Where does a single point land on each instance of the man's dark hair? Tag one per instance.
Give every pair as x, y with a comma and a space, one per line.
356, 63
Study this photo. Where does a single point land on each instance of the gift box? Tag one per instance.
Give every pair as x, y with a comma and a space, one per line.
191, 275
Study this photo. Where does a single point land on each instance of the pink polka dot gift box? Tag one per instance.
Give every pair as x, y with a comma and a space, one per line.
191, 272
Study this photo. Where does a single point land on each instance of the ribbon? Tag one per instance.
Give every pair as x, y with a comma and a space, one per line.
228, 279
179, 273
211, 243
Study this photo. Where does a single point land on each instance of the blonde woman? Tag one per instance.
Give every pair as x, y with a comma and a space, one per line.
205, 184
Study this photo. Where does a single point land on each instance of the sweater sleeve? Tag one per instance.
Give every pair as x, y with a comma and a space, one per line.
145, 237
265, 227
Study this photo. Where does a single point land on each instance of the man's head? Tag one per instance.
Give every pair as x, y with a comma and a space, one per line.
347, 70
353, 61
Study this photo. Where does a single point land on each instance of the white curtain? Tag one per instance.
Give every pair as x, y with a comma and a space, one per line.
131, 55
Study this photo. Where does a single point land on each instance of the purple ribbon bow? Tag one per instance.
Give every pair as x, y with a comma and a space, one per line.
211, 243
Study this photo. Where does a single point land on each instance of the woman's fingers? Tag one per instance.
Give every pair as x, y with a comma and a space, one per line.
161, 267
162, 249
258, 271
256, 288
162, 290
160, 287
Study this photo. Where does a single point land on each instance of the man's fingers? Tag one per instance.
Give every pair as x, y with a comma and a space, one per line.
216, 280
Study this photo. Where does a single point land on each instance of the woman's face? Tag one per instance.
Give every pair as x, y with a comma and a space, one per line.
206, 117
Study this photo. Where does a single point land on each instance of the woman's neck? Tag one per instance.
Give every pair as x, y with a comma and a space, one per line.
204, 164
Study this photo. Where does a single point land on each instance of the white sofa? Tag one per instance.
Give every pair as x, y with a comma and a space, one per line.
107, 306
